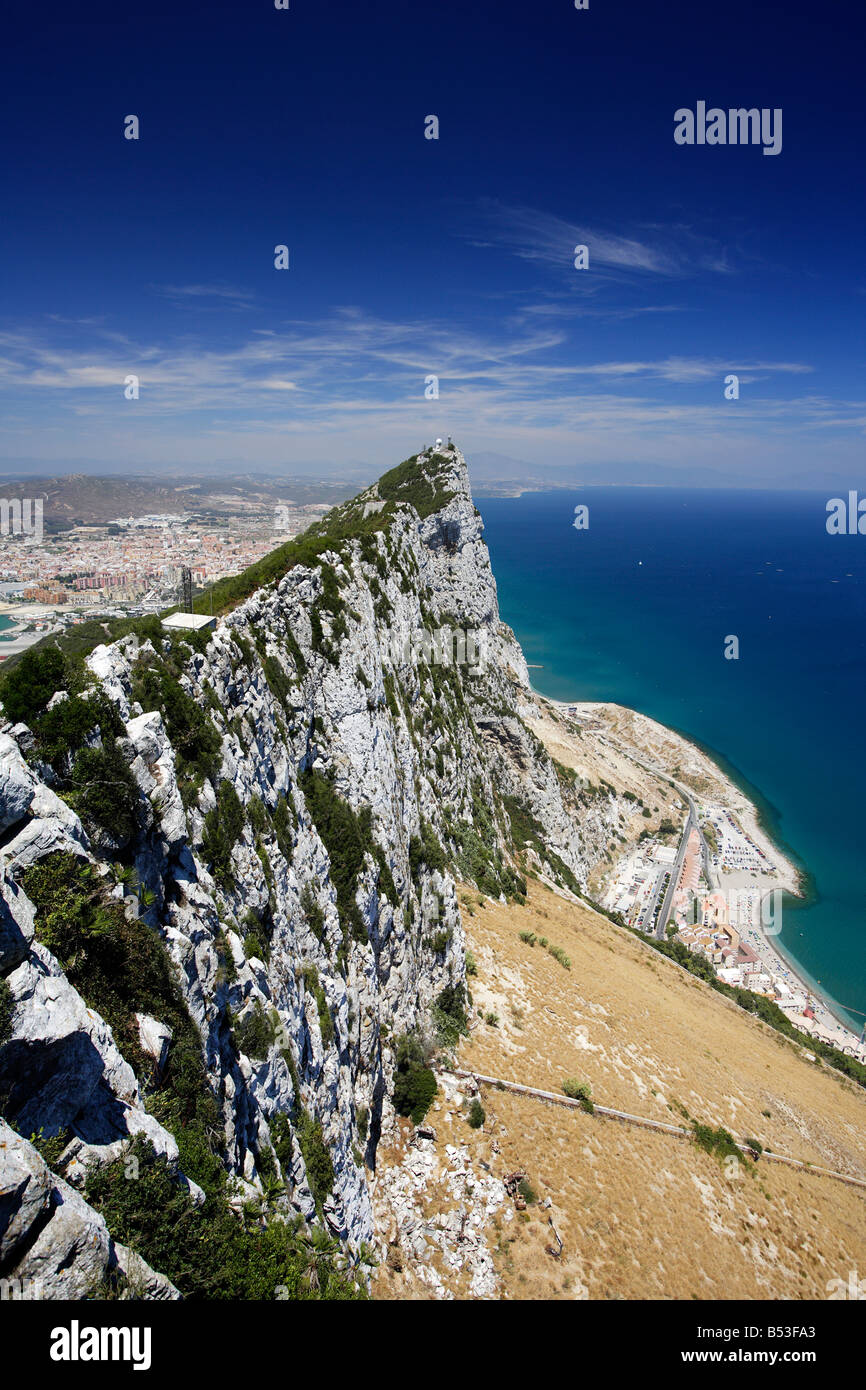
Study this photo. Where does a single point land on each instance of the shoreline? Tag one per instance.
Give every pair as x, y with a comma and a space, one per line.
789, 875
765, 814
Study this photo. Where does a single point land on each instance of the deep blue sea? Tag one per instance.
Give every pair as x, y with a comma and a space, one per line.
636, 609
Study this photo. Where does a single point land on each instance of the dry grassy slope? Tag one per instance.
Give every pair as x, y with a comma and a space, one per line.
645, 1215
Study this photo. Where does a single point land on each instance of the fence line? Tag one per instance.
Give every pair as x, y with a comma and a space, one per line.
643, 1122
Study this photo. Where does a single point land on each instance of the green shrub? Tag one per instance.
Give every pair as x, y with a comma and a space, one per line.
310, 976
242, 643
567, 775
313, 913
266, 1167
476, 1114
425, 849
281, 1138
579, 1090
408, 483
317, 1159
526, 829
51, 1146
527, 1192
104, 791
256, 948
195, 739
285, 821
223, 827
257, 815
414, 1082
254, 1034
62, 731
449, 1015
295, 652
479, 861
227, 972
717, 1142
347, 837
387, 886
387, 679
27, 689
279, 683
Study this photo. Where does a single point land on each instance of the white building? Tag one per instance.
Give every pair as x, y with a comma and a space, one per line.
195, 622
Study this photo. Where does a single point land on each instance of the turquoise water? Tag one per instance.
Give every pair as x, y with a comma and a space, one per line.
5, 623
636, 609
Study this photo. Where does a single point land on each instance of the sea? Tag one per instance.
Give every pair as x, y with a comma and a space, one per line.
638, 608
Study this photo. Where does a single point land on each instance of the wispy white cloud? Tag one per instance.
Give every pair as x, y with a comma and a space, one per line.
549, 240
231, 294
569, 308
324, 390
348, 355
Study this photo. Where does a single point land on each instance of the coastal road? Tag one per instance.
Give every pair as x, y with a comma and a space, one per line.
691, 824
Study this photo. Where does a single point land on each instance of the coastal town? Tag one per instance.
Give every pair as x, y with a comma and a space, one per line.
707, 875
720, 891
130, 566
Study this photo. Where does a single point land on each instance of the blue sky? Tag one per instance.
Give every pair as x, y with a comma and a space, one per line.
412, 257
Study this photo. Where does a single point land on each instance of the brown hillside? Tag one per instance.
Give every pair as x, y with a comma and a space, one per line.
645, 1215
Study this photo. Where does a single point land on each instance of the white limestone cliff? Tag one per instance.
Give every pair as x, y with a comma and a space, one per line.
294, 682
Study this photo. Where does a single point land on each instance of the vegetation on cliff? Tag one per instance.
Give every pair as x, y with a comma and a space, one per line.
212, 1251
120, 967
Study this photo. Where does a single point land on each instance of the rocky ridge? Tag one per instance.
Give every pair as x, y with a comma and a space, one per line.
332, 722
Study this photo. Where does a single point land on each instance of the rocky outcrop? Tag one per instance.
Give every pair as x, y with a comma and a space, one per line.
436, 1248
52, 1244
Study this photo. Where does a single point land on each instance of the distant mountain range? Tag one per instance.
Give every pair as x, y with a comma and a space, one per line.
498, 475
75, 499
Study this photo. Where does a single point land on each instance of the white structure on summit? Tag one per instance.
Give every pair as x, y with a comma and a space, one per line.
197, 622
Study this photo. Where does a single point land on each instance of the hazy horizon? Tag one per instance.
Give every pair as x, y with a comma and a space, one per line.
486, 470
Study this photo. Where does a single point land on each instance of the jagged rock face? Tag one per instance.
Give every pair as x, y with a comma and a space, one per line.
57, 1246
317, 674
